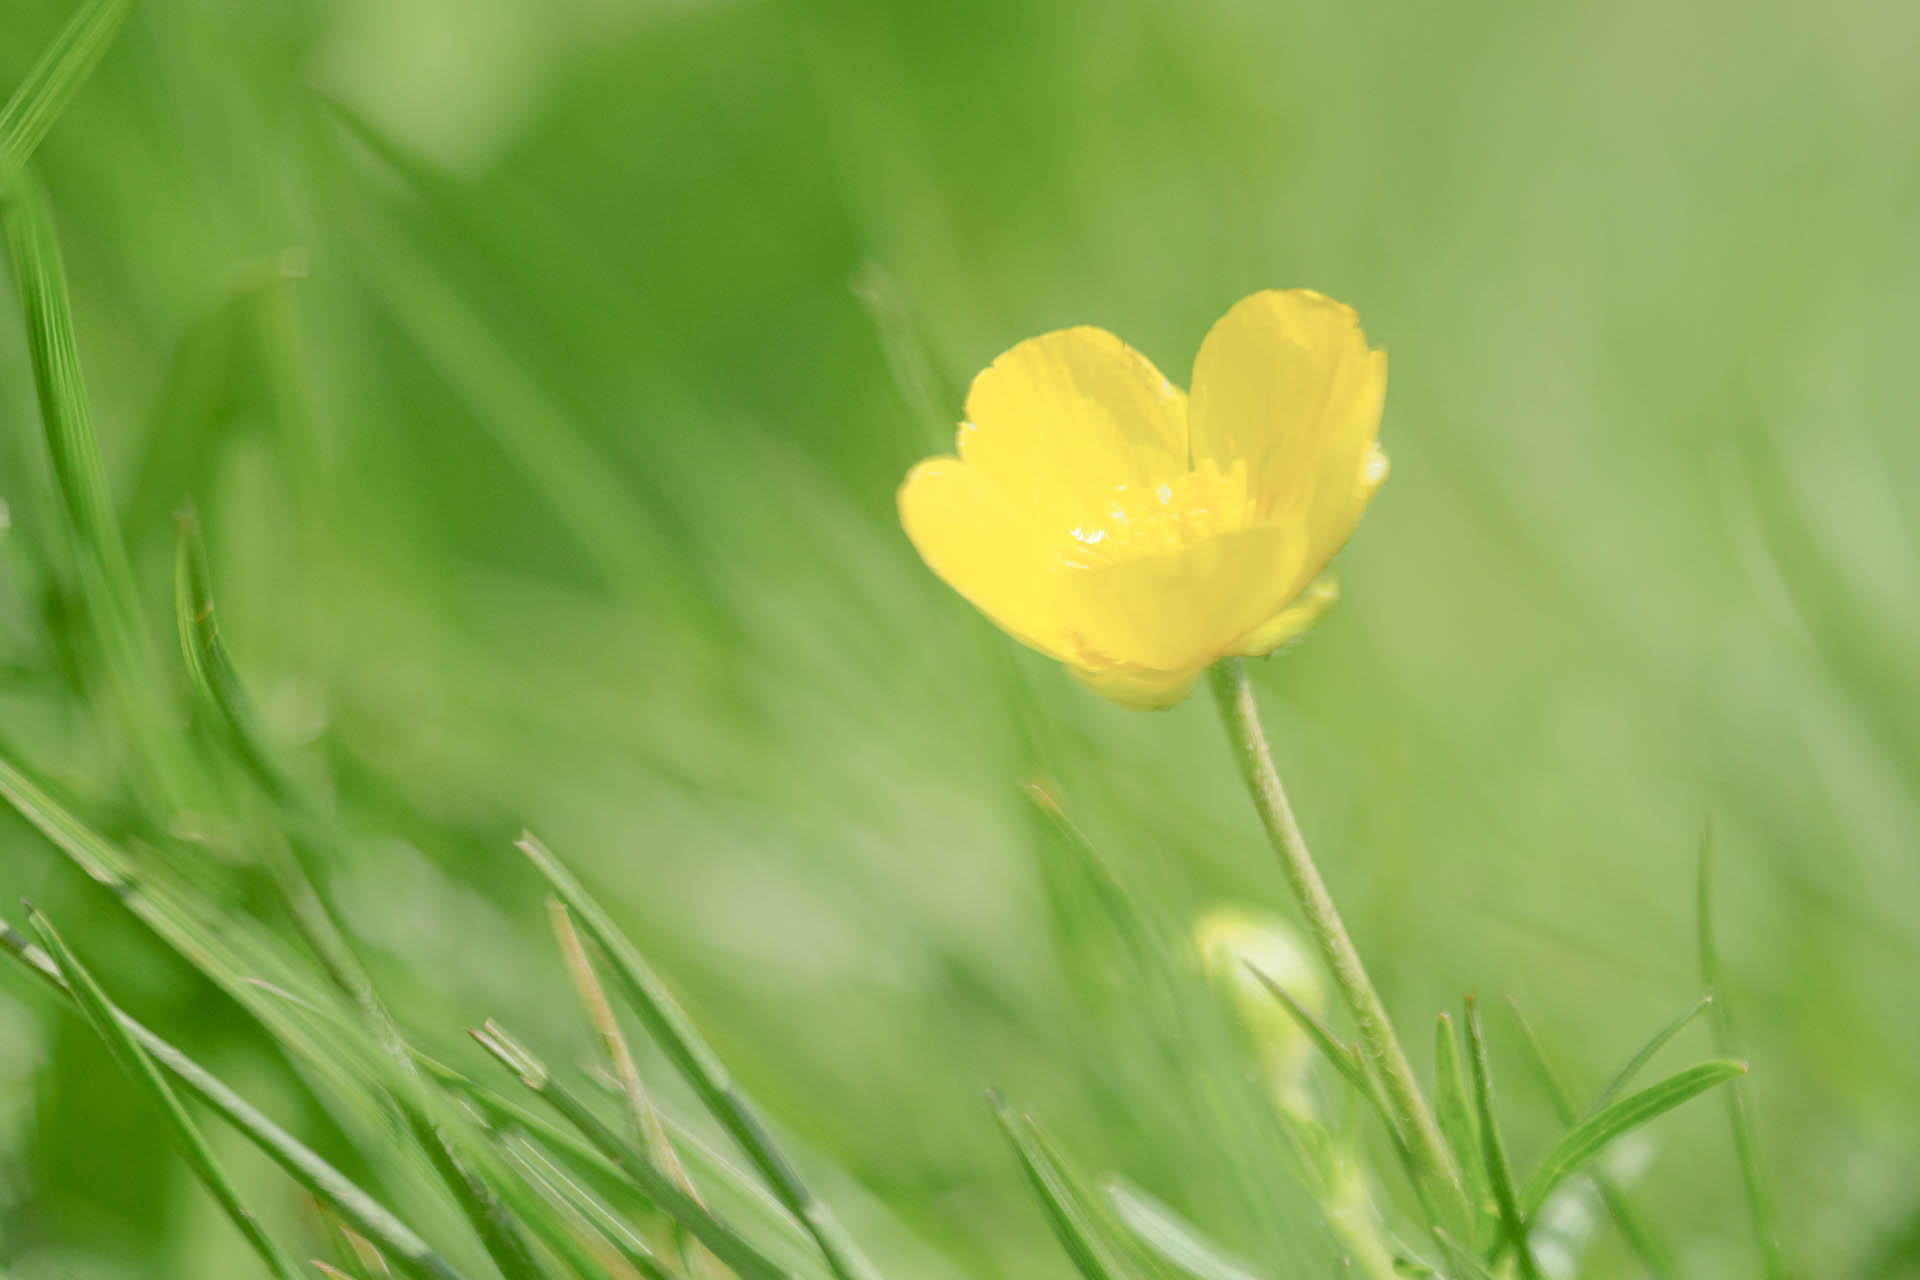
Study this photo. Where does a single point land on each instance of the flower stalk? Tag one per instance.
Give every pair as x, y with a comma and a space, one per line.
1433, 1167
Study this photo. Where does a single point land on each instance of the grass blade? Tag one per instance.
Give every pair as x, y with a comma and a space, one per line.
219, 682
591, 1211
1456, 1117
1461, 1256
1644, 1054
1746, 1144
55, 79
140, 1068
311, 1171
727, 1245
507, 1119
1066, 1212
1344, 1057
1632, 1224
646, 1120
571, 471
1513, 1221
670, 1028
1587, 1139
234, 956
1172, 1238
922, 389
358, 1257
106, 579
1347, 1061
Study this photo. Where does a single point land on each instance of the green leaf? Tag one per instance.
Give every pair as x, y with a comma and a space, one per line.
1513, 1221
1347, 1061
505, 1117
1066, 1207
674, 1033
167, 774
140, 1068
1620, 1207
234, 953
1625, 1075
1342, 1056
214, 674
550, 447
727, 1244
588, 1210
1588, 1138
249, 964
210, 665
1461, 1256
55, 78
646, 1120
326, 1183
1456, 1118
1171, 1237
905, 348
200, 408
1746, 1143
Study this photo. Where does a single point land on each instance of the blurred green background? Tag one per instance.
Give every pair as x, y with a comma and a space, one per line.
543, 372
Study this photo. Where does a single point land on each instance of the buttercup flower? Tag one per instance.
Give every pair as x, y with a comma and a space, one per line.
1101, 515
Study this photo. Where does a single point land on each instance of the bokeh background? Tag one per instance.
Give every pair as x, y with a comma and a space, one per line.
543, 371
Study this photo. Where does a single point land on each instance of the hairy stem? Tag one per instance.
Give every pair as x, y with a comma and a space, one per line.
1378, 1043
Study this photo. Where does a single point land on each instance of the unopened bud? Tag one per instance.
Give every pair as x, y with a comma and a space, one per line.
1233, 942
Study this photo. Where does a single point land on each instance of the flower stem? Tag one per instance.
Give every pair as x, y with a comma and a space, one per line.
1378, 1044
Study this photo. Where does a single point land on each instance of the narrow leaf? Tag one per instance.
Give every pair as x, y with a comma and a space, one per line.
506, 1116
235, 953
1746, 1142
140, 1068
727, 1245
1633, 1225
1587, 1139
1342, 1056
477, 1194
1513, 1221
311, 1171
591, 1211
674, 1033
55, 78
106, 578
1644, 1054
646, 1120
1172, 1238
1066, 1212
1456, 1117
1471, 1268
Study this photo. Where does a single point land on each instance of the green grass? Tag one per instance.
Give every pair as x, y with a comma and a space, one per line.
541, 376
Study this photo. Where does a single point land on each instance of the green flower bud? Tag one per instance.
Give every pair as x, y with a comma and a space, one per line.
1230, 941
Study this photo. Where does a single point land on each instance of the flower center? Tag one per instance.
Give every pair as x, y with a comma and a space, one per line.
1164, 517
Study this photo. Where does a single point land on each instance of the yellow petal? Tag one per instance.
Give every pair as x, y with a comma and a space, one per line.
1293, 621
1286, 384
963, 528
1138, 690
1180, 611
1061, 422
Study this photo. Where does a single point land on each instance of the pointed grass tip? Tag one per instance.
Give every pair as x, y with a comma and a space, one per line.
1040, 791
495, 1040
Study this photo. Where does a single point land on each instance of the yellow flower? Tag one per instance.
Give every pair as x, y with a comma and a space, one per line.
1101, 515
